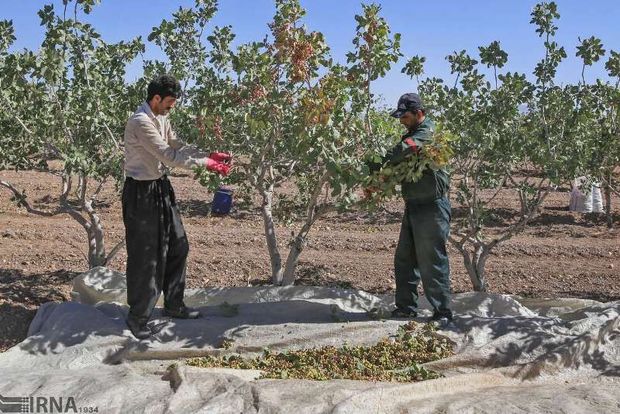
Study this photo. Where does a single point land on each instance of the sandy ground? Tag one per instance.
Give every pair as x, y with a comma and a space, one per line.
561, 254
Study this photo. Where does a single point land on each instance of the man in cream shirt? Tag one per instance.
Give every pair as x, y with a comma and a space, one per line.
157, 245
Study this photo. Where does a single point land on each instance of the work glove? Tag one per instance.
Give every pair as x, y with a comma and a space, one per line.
221, 157
217, 167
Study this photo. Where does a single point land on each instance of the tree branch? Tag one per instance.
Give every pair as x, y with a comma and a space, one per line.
115, 251
20, 197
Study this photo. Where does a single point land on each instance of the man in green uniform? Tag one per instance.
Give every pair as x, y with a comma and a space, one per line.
421, 252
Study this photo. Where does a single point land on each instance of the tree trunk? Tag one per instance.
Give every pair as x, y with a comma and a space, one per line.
480, 263
81, 186
299, 243
608, 215
96, 242
474, 263
92, 225
97, 255
270, 235
297, 246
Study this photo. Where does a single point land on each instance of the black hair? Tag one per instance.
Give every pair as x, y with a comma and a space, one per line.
164, 85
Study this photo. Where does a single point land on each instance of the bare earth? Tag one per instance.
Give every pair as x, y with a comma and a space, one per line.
561, 254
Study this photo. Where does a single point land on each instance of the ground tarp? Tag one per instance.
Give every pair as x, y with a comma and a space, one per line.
512, 354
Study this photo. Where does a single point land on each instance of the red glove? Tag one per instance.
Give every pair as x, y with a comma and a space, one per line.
217, 167
221, 157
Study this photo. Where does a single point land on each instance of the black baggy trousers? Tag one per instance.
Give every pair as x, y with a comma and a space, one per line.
157, 246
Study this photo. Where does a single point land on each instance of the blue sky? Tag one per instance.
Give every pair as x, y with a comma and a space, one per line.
429, 28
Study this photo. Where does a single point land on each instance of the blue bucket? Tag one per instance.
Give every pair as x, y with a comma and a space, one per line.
222, 201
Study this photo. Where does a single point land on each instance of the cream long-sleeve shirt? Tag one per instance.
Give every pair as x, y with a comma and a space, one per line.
151, 145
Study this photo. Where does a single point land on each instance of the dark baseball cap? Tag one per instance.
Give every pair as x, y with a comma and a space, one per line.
407, 102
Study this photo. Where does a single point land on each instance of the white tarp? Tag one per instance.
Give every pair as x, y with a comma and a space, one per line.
525, 355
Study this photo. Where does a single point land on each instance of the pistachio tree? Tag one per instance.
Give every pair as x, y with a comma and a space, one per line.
67, 101
609, 143
506, 134
293, 118
598, 106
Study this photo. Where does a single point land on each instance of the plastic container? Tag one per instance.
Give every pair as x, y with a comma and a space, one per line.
222, 201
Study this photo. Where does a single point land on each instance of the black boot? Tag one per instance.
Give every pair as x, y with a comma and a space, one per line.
442, 314
442, 319
182, 313
138, 328
406, 313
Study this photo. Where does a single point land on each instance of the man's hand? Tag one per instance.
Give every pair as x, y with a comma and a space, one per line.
217, 167
221, 157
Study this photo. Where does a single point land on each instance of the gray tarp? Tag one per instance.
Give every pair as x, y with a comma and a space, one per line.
513, 354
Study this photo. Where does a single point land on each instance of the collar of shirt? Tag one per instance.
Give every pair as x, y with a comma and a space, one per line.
426, 124
146, 108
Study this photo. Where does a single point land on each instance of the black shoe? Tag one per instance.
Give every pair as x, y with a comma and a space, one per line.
404, 313
442, 320
138, 329
182, 313
438, 315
